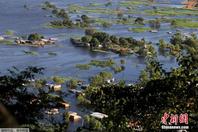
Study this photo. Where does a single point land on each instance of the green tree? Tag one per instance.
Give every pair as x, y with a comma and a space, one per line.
86, 39
16, 86
177, 39
114, 39
101, 36
94, 43
35, 36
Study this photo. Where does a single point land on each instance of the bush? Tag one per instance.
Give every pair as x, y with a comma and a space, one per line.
92, 124
118, 69
155, 23
83, 101
100, 63
58, 79
90, 32
86, 39
114, 39
83, 66
85, 19
106, 24
101, 36
35, 36
40, 83
139, 20
94, 42
123, 41
9, 32
177, 39
73, 83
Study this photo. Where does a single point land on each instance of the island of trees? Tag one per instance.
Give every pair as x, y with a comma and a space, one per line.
122, 45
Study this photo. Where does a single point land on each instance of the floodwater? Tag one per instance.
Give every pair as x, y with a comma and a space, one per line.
13, 16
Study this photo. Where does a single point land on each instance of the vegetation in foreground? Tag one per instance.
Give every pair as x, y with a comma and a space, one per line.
21, 107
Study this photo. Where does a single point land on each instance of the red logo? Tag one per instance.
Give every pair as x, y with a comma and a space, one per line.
174, 119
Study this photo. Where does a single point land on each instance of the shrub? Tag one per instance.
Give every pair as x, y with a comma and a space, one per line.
9, 32
83, 66
35, 36
58, 79
177, 39
73, 83
101, 36
139, 20
85, 18
40, 83
155, 23
94, 42
92, 124
86, 39
114, 39
90, 32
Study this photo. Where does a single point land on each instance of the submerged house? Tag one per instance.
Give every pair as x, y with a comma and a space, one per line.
35, 39
98, 115
73, 116
54, 87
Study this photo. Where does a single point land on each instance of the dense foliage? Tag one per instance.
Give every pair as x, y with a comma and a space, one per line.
65, 20
120, 45
158, 91
23, 105
35, 36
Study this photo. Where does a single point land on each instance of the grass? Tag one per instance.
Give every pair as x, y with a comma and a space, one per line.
140, 29
8, 42
184, 23
117, 69
60, 80
167, 11
9, 32
134, 3
49, 25
98, 10
101, 63
97, 63
95, 4
83, 66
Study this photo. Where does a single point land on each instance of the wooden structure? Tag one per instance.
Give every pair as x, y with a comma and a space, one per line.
190, 4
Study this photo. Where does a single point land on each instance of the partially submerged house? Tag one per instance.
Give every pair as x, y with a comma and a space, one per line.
53, 111
35, 39
73, 116
64, 104
54, 87
98, 115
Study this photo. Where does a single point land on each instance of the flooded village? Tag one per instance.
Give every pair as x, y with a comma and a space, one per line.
99, 65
